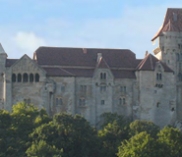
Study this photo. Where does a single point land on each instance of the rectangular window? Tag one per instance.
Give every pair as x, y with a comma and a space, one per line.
102, 88
82, 101
27, 101
123, 89
83, 88
59, 101
102, 102
102, 76
62, 88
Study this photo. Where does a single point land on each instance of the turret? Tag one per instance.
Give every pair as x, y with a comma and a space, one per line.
3, 57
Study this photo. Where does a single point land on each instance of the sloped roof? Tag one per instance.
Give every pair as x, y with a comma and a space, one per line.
10, 62
171, 24
149, 63
115, 58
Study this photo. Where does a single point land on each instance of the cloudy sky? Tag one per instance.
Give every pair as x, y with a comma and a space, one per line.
126, 24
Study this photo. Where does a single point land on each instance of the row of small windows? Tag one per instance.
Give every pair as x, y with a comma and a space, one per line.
25, 77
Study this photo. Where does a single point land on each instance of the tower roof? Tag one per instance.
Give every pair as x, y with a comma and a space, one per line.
172, 22
1, 49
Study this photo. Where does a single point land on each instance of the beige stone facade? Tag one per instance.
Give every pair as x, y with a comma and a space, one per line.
91, 82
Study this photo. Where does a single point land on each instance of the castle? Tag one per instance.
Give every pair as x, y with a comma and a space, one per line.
91, 81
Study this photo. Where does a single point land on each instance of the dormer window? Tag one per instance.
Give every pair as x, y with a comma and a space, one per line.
158, 76
103, 76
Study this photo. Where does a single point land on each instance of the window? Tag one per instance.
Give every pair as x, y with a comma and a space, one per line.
122, 101
59, 101
102, 76
159, 76
31, 78
19, 77
36, 77
179, 77
27, 101
62, 88
102, 102
123, 89
83, 88
82, 102
13, 78
102, 88
177, 57
25, 77
158, 103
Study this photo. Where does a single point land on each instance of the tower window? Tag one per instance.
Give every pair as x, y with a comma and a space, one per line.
25, 77
13, 78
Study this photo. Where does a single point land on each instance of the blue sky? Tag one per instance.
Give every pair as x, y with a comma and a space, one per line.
124, 24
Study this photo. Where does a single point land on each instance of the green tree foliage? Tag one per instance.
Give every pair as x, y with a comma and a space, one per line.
42, 149
114, 130
171, 139
72, 134
25, 118
140, 145
5, 133
138, 126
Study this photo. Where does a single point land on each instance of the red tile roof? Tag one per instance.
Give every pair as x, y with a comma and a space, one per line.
172, 22
115, 58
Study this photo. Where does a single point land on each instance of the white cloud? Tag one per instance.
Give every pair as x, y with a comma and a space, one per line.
28, 41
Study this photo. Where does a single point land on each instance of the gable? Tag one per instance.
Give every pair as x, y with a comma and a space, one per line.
26, 64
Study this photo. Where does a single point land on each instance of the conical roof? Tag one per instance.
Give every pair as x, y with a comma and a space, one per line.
1, 49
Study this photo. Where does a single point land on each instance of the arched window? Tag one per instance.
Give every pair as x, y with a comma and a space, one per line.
13, 78
31, 78
25, 77
36, 77
19, 77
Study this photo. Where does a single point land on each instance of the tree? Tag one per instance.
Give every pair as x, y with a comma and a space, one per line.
138, 126
25, 118
5, 134
114, 131
71, 134
171, 139
140, 145
42, 149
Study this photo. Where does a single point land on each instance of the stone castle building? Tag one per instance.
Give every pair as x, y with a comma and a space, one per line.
91, 81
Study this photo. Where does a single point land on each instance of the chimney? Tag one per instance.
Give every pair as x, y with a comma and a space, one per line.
99, 56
